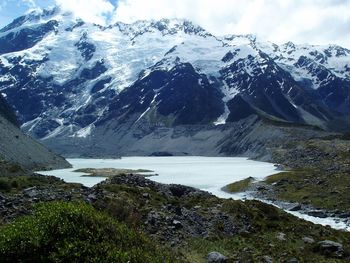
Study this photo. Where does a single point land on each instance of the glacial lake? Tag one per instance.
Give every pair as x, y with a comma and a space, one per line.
205, 173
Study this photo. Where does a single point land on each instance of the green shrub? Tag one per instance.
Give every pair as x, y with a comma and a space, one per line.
15, 168
74, 232
123, 211
4, 185
14, 184
239, 186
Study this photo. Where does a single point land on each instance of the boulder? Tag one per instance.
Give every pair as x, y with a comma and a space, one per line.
292, 260
296, 207
330, 248
31, 192
308, 240
317, 213
146, 195
281, 236
267, 259
92, 197
177, 224
216, 257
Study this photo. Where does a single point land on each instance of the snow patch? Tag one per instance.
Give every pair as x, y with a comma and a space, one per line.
145, 112
84, 132
229, 94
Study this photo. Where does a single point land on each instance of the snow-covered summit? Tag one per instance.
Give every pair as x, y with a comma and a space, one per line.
36, 16
68, 73
165, 26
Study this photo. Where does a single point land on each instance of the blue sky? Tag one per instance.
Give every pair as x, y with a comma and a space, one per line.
279, 21
11, 9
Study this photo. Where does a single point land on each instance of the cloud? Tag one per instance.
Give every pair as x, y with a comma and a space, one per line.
9, 4
94, 11
30, 3
302, 21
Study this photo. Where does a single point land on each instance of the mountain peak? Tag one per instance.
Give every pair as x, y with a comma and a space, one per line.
75, 70
37, 15
165, 26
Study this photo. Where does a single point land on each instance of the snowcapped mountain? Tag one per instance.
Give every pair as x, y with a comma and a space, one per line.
71, 79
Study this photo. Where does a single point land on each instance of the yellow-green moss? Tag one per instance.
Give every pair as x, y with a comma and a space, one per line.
239, 186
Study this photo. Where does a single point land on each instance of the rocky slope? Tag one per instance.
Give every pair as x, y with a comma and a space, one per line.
18, 150
253, 137
315, 180
166, 79
185, 222
319, 174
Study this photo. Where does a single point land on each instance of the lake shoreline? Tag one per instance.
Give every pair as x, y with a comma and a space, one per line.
146, 162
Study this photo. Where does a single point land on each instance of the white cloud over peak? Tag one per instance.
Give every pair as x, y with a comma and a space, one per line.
302, 21
30, 3
94, 11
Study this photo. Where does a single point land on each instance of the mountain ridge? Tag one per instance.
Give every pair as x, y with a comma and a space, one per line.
166, 72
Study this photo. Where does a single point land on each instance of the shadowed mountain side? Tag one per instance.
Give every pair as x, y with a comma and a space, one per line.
18, 148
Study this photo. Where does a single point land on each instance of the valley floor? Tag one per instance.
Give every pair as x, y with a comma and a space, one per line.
185, 222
